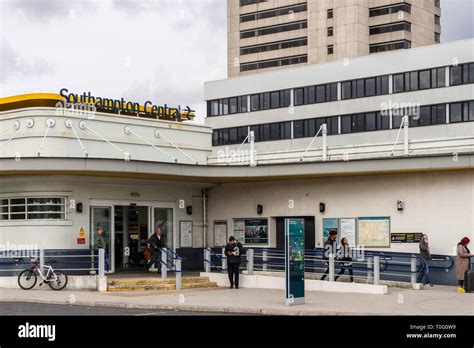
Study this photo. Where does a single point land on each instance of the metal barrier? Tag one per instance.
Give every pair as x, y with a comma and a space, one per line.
71, 261
369, 266
173, 262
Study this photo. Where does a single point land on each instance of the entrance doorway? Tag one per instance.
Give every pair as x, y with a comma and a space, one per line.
309, 231
127, 228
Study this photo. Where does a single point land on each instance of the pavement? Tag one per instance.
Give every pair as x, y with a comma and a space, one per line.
439, 300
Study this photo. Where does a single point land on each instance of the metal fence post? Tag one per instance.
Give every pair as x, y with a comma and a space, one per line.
224, 260
41, 259
376, 270
264, 260
164, 263
101, 262
331, 267
178, 273
413, 269
250, 261
370, 263
207, 260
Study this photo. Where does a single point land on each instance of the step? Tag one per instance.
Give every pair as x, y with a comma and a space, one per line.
153, 281
157, 287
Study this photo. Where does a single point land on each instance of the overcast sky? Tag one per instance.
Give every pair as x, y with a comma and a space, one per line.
158, 50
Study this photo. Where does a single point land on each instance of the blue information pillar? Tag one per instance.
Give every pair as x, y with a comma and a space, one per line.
294, 261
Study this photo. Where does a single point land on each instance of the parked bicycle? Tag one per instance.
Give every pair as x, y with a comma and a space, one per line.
57, 280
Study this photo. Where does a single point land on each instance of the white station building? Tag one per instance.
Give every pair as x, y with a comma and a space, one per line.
394, 157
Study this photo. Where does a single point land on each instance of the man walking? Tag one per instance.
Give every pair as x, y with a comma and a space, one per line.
233, 250
425, 257
330, 247
155, 247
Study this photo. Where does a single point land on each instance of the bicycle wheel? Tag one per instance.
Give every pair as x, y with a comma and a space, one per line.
27, 279
60, 282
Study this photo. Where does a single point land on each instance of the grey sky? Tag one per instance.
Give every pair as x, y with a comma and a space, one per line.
158, 50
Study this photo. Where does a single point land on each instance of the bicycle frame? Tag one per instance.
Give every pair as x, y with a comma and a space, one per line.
38, 268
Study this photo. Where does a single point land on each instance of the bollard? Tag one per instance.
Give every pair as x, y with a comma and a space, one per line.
224, 261
101, 262
264, 260
178, 273
207, 260
370, 265
250, 261
413, 270
164, 264
331, 267
376, 270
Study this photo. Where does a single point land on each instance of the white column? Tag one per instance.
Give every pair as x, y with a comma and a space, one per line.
125, 235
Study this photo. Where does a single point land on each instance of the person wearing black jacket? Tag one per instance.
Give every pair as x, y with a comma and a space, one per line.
155, 243
330, 247
233, 249
345, 256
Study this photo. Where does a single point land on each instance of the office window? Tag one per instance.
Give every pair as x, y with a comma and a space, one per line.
388, 28
346, 124
346, 90
243, 104
330, 49
311, 98
384, 10
233, 105
455, 112
437, 20
275, 100
320, 94
214, 107
254, 102
330, 31
389, 46
462, 74
370, 87
330, 13
274, 29
437, 3
299, 96
298, 129
265, 101
32, 208
425, 79
437, 37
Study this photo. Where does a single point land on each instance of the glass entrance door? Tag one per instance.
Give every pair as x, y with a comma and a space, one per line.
103, 217
163, 218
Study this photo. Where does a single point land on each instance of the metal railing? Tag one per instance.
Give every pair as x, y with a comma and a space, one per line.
171, 261
71, 261
366, 266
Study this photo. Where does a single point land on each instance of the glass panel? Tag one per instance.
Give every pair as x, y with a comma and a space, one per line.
425, 82
215, 108
320, 94
370, 87
441, 77
346, 124
455, 112
164, 219
299, 96
298, 129
101, 217
398, 83
414, 81
275, 100
456, 75
471, 111
233, 105
370, 121
346, 90
254, 102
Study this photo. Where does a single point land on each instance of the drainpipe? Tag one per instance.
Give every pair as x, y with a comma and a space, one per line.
204, 216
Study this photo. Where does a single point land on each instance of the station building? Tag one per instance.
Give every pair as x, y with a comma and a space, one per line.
393, 159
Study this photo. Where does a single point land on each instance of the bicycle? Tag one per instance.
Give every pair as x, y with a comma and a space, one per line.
57, 280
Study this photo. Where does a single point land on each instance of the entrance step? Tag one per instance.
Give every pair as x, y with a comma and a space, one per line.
136, 284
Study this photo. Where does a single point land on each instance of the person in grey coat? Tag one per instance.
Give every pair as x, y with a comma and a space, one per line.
425, 257
462, 262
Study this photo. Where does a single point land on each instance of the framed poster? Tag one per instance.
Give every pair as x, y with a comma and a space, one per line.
220, 233
294, 265
348, 230
251, 230
374, 232
186, 234
239, 230
330, 224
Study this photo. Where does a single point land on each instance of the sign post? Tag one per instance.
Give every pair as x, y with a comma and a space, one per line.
294, 261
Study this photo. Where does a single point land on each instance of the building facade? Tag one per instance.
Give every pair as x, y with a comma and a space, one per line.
266, 35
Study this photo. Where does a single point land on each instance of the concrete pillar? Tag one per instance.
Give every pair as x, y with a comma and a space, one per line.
250, 261
207, 260
331, 267
264, 260
164, 264
178, 273
413, 270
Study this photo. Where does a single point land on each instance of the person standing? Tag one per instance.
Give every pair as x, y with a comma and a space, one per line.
330, 247
425, 257
345, 257
462, 262
233, 249
155, 242
99, 243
